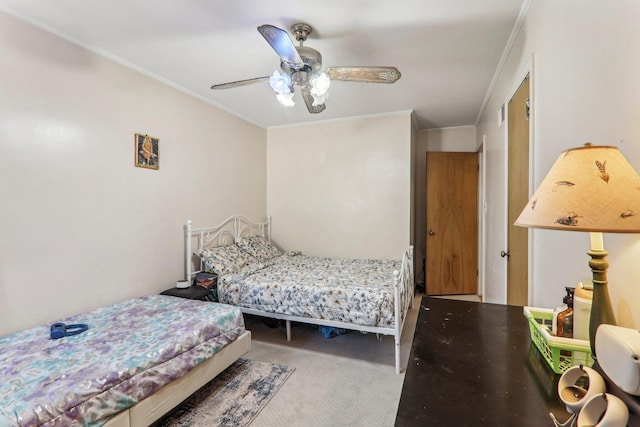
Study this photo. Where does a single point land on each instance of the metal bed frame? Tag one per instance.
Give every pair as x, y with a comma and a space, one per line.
235, 227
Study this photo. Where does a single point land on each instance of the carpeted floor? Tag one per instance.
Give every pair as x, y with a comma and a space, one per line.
232, 399
348, 380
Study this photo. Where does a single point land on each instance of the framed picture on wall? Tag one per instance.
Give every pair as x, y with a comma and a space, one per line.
147, 154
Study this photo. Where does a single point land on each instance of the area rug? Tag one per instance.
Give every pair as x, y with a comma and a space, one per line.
233, 398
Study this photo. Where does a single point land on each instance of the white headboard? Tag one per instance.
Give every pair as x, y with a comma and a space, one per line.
227, 232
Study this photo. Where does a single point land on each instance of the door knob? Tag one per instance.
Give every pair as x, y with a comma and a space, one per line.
431, 232
504, 254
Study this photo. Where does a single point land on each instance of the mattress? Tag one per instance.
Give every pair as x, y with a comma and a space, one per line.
131, 350
356, 291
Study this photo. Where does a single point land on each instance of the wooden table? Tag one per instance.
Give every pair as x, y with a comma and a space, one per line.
473, 364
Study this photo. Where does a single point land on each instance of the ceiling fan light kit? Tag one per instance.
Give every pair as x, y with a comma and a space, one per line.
302, 66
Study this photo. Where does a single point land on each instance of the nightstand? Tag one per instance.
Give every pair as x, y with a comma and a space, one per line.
192, 292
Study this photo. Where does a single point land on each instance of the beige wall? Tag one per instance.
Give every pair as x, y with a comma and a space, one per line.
80, 226
452, 139
342, 188
585, 62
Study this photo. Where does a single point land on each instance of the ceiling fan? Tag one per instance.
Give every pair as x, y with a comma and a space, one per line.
302, 66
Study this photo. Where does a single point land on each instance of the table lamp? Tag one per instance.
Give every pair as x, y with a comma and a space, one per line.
591, 188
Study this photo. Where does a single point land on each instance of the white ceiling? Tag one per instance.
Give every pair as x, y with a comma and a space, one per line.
447, 50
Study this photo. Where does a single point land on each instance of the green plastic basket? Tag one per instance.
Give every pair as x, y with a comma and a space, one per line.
560, 353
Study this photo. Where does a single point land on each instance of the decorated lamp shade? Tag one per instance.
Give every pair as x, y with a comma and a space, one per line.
591, 188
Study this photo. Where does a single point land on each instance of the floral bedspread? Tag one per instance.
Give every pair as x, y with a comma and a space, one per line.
131, 350
348, 290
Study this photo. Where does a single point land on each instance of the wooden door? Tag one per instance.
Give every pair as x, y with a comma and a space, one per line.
451, 266
518, 196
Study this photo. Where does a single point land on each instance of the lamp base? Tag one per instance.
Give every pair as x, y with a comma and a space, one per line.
601, 309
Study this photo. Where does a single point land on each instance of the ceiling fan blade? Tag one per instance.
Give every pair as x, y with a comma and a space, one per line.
308, 99
282, 44
364, 74
240, 83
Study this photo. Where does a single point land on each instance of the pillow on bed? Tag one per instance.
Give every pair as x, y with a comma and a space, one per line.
259, 247
224, 259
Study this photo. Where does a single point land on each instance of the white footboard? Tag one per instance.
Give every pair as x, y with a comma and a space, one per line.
403, 298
